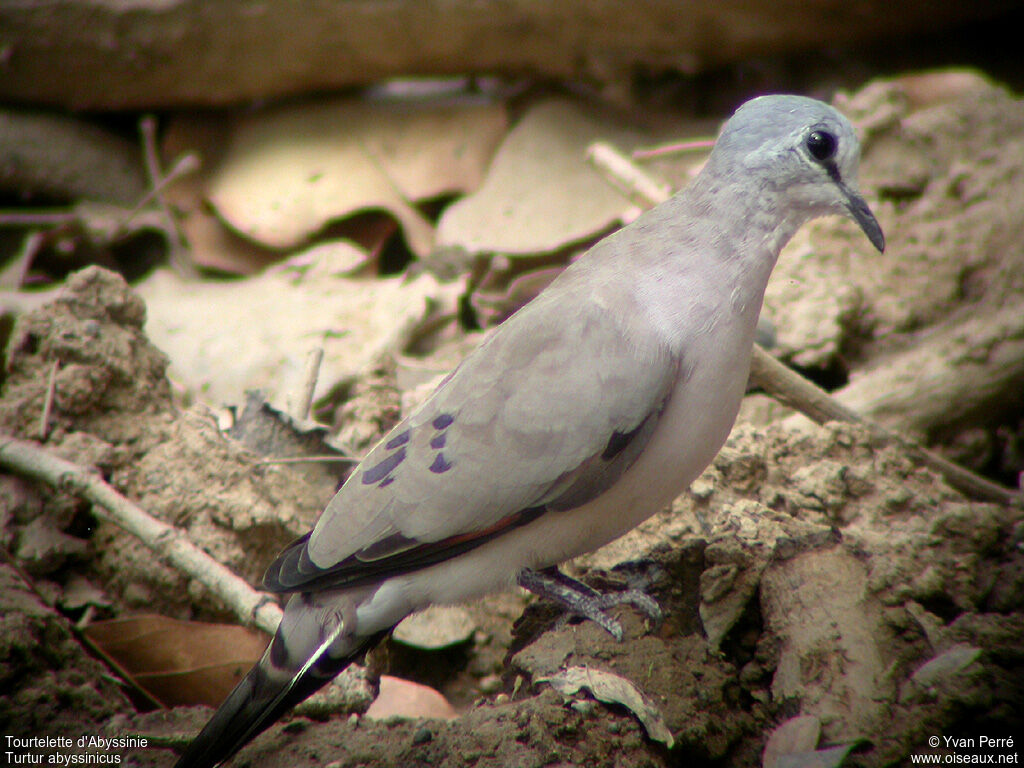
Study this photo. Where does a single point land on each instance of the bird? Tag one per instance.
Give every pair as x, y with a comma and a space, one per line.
584, 413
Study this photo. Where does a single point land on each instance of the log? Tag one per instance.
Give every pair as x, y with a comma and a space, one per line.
121, 54
963, 373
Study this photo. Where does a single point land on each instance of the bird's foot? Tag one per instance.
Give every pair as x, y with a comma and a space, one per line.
581, 600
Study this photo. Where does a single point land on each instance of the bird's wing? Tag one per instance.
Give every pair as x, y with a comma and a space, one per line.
543, 416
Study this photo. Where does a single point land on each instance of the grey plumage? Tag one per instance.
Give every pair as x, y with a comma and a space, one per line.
585, 413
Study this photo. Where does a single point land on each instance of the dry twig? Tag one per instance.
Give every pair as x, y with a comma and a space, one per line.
310, 376
792, 389
176, 237
51, 389
30, 460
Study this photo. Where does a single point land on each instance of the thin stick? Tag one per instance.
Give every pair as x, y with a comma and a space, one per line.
12, 277
309, 379
627, 175
51, 388
176, 237
36, 218
323, 458
251, 607
675, 148
184, 165
792, 389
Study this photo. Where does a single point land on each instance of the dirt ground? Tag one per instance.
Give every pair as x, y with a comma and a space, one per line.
827, 597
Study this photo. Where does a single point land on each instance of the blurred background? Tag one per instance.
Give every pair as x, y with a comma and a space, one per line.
237, 235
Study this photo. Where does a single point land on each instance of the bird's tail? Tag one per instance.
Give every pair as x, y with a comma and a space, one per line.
290, 671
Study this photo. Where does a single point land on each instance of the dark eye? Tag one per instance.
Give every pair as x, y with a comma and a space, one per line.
821, 145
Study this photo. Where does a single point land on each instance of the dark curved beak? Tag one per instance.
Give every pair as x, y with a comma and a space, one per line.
860, 213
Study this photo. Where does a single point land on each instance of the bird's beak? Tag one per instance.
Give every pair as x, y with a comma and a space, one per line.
860, 213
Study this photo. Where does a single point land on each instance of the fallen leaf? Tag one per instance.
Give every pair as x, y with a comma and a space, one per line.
403, 698
178, 663
211, 244
226, 337
797, 735
281, 438
613, 689
540, 193
832, 757
946, 665
214, 246
287, 172
431, 151
80, 592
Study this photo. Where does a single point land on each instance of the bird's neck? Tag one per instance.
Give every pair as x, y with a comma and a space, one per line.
750, 222
713, 255
740, 230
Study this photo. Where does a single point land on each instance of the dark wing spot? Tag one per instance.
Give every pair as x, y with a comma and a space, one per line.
438, 441
619, 440
440, 465
443, 421
278, 651
396, 554
387, 547
398, 440
386, 481
380, 471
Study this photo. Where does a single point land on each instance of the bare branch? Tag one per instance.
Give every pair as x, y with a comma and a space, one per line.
172, 545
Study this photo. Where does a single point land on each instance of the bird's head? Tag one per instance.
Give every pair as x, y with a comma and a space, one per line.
803, 149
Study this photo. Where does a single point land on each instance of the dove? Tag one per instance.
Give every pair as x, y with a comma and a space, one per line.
583, 414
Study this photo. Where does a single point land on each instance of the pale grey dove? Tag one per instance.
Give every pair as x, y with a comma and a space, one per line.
586, 412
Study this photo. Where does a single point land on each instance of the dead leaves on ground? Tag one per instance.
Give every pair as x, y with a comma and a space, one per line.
184, 663
308, 201
297, 177
177, 663
540, 194
279, 177
288, 173
347, 191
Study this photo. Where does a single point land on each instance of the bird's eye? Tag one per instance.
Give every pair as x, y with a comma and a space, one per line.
821, 145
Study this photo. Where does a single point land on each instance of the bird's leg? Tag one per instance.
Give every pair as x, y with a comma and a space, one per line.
578, 598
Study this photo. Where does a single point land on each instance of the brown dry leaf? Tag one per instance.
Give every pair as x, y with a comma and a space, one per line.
540, 194
795, 736
178, 663
404, 698
288, 172
614, 689
211, 244
831, 757
214, 246
282, 438
495, 305
431, 151
226, 337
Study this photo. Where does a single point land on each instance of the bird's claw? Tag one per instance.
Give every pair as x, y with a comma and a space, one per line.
643, 602
580, 600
